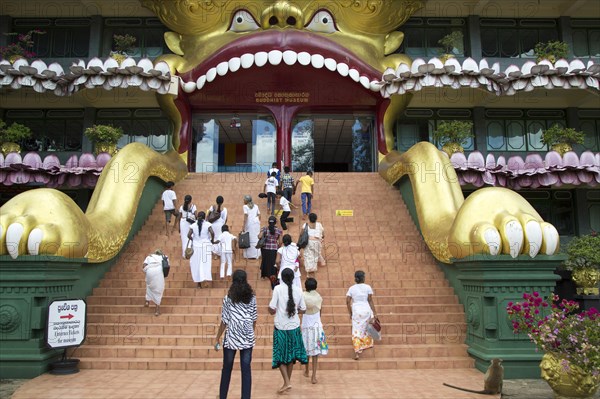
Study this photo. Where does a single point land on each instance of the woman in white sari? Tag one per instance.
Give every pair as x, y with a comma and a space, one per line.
202, 236
218, 223
359, 300
252, 226
187, 216
155, 280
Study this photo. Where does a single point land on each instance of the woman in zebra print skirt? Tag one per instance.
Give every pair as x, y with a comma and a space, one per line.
238, 319
286, 304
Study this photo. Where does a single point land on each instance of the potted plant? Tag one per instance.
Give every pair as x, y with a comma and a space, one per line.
452, 135
551, 51
450, 42
22, 47
104, 137
561, 139
122, 45
584, 262
11, 136
570, 340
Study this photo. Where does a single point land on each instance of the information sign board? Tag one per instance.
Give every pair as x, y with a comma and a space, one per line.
66, 323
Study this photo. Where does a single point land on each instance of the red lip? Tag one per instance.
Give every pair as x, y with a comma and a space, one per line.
284, 40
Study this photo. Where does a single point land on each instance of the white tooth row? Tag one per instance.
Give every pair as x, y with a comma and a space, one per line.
274, 57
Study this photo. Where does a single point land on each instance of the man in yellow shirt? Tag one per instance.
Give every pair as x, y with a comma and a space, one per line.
307, 193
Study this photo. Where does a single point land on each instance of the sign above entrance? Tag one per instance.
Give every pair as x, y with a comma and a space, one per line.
281, 97
344, 212
66, 323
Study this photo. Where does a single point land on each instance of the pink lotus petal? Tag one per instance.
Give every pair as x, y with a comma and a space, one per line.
476, 161
570, 159
102, 159
515, 165
72, 162
13, 158
568, 177
459, 160
548, 179
553, 160
87, 160
50, 162
33, 160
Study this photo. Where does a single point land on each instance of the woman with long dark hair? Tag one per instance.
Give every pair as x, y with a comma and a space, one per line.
269, 251
287, 302
238, 321
288, 258
202, 236
359, 301
217, 222
252, 226
187, 216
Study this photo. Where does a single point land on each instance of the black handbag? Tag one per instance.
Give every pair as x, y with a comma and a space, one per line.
263, 240
165, 266
303, 240
244, 240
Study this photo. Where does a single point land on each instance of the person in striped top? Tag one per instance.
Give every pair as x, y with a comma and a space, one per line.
238, 321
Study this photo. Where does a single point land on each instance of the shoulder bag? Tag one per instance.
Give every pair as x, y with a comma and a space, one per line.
165, 265
244, 240
189, 251
213, 215
263, 240
303, 240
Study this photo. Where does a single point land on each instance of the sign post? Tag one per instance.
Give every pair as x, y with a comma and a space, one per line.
65, 329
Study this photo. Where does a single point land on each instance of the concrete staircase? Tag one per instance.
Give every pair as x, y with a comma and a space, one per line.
423, 323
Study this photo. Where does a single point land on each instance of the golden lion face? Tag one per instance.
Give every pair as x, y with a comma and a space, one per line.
202, 28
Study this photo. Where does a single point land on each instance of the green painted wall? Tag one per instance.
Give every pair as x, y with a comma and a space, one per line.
29, 284
484, 285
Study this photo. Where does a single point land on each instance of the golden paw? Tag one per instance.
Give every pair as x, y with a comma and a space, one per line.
43, 222
499, 221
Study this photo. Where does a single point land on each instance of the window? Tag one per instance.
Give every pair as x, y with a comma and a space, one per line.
144, 125
418, 124
519, 130
421, 36
555, 207
52, 130
515, 38
149, 33
586, 37
64, 37
589, 123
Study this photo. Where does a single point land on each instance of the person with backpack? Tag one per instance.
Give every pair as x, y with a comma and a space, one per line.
155, 279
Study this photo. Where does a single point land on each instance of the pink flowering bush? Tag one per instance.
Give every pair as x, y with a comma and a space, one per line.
23, 47
556, 328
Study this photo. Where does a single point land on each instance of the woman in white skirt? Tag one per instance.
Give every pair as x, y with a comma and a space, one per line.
218, 223
313, 334
155, 280
252, 226
187, 216
203, 237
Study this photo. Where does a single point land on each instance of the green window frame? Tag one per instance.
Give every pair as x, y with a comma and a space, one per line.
586, 37
519, 130
52, 129
148, 31
64, 37
589, 124
421, 36
148, 126
515, 38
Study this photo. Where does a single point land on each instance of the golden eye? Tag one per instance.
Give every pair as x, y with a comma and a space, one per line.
322, 22
243, 21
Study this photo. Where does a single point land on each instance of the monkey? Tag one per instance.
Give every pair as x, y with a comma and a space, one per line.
492, 381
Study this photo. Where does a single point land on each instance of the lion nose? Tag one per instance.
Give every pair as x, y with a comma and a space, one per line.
282, 14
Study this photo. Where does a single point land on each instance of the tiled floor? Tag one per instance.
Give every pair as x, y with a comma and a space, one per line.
406, 384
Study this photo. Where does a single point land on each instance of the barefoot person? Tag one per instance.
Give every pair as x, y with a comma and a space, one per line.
287, 302
251, 225
169, 199
313, 253
313, 334
202, 236
228, 246
186, 217
155, 280
238, 321
359, 301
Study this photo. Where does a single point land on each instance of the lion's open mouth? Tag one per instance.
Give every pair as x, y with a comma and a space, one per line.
282, 48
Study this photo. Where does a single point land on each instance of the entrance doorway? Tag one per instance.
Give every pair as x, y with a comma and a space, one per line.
333, 143
232, 143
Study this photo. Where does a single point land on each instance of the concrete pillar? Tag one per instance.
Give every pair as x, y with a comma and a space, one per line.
6, 23
96, 31
480, 129
474, 34
565, 33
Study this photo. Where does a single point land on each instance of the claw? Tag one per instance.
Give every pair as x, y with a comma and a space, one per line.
492, 239
551, 239
533, 238
13, 239
34, 241
514, 238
